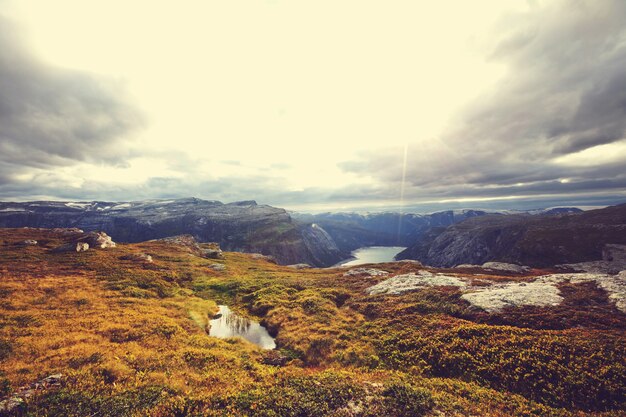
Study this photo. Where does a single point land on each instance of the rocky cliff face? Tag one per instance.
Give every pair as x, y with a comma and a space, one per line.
539, 241
351, 230
242, 226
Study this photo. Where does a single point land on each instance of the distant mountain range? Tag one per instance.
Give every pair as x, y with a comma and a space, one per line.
557, 237
443, 238
241, 226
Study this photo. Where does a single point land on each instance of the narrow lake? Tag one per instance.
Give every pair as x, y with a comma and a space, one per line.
373, 254
229, 324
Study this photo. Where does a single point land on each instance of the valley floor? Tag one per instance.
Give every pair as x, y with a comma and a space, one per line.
128, 336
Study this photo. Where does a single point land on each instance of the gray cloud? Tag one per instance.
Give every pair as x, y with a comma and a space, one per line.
565, 91
52, 116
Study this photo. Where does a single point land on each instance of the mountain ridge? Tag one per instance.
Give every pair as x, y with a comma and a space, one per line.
243, 226
538, 241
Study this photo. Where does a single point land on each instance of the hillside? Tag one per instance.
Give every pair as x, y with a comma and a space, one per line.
241, 226
122, 331
351, 231
538, 241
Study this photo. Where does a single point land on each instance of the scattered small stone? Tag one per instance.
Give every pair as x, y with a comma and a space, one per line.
27, 242
414, 281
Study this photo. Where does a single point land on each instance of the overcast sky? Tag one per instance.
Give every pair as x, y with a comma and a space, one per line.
315, 105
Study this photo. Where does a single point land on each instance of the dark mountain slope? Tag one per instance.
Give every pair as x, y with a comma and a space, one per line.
530, 240
243, 226
351, 230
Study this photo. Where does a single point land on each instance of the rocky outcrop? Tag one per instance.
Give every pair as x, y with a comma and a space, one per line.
543, 291
213, 251
536, 241
499, 296
98, 240
613, 262
414, 281
368, 272
81, 242
494, 296
242, 226
299, 266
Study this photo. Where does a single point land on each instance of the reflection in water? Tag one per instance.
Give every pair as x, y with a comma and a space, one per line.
228, 324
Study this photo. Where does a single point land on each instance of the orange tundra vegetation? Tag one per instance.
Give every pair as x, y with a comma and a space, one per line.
129, 337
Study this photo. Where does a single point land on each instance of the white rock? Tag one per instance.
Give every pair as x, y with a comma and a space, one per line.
414, 281
544, 291
497, 297
371, 272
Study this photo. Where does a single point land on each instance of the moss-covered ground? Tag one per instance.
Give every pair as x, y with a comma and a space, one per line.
130, 339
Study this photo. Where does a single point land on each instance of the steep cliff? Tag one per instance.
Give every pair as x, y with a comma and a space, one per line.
351, 230
538, 241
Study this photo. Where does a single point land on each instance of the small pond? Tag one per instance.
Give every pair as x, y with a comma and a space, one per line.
229, 324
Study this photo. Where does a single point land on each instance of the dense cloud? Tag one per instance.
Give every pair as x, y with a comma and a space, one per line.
564, 93
52, 117
551, 131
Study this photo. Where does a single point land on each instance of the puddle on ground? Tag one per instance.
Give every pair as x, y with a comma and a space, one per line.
229, 324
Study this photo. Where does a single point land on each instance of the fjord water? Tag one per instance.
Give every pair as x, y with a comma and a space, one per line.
373, 254
230, 324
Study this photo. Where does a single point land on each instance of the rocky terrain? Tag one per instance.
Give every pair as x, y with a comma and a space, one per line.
523, 239
242, 226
